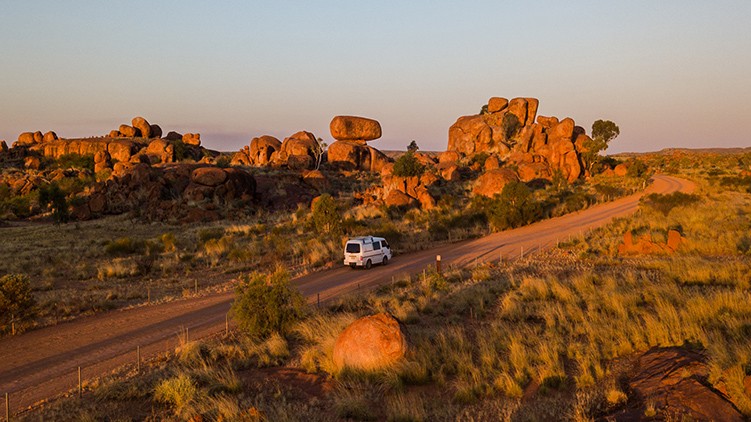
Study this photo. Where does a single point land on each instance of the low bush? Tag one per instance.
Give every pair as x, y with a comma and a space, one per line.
124, 246
267, 303
408, 165
740, 183
16, 300
53, 196
326, 218
81, 162
514, 207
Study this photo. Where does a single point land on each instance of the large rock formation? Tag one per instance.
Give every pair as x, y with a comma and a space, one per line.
258, 153
370, 344
350, 151
297, 151
138, 143
509, 131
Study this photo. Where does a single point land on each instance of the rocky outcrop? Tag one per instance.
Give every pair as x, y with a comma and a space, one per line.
160, 151
297, 151
258, 153
192, 139
512, 131
411, 190
370, 344
177, 192
673, 383
356, 129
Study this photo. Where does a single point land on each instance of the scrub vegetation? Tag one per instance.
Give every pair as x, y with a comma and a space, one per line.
550, 336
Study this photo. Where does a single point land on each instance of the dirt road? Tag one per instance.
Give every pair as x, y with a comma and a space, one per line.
44, 363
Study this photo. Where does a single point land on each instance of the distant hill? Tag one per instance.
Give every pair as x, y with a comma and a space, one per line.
717, 151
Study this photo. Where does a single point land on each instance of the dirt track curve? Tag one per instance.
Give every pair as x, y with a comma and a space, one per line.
44, 363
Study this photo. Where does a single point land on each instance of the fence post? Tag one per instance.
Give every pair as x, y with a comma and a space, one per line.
196, 288
521, 255
138, 359
226, 323
7, 407
319, 299
438, 264
13, 328
80, 386
148, 295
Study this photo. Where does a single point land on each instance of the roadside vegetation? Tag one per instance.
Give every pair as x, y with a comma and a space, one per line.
547, 337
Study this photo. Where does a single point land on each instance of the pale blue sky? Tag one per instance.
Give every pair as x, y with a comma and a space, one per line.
670, 73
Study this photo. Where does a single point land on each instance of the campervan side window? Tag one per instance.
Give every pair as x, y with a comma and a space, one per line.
353, 248
376, 246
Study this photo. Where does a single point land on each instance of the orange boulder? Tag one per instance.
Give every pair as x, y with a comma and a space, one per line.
353, 128
371, 343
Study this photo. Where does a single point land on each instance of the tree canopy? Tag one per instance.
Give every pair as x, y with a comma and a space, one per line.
603, 131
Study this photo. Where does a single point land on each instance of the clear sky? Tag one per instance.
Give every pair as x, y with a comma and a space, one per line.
669, 73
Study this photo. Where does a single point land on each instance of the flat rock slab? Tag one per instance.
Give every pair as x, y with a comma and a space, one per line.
673, 382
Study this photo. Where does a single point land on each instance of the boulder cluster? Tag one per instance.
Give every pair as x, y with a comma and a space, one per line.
644, 245
512, 133
139, 143
300, 151
27, 139
184, 192
138, 128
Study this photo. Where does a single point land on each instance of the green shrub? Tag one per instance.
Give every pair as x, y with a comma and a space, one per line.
326, 218
267, 304
16, 300
665, 203
81, 162
741, 183
637, 168
213, 233
408, 165
51, 195
19, 206
744, 244
182, 152
514, 207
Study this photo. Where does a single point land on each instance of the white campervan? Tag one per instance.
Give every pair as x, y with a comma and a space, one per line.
365, 251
